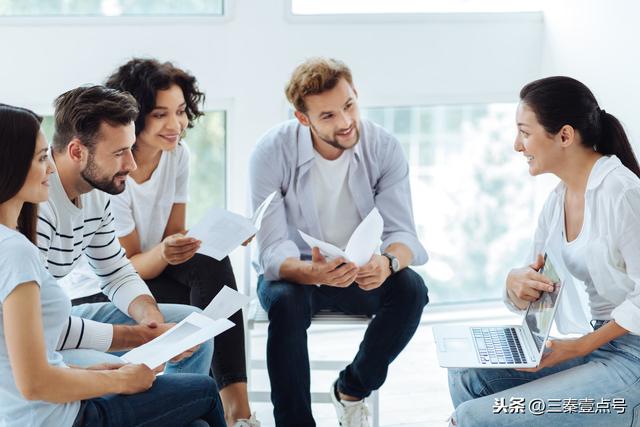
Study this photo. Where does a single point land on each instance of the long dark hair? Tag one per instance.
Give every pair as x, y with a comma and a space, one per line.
18, 133
144, 77
559, 101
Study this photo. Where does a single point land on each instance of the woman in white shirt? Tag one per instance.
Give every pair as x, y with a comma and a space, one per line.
593, 216
150, 216
36, 387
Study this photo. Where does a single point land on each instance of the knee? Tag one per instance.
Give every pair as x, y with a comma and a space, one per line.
461, 384
285, 302
411, 289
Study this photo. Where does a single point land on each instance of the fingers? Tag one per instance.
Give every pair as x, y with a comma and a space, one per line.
539, 263
316, 256
344, 275
178, 240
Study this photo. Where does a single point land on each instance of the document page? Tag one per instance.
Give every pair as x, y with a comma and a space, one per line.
226, 303
362, 244
222, 231
191, 331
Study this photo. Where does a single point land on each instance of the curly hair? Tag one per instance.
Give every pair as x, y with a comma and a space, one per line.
143, 78
314, 76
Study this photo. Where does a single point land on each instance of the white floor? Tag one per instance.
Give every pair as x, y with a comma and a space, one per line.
415, 393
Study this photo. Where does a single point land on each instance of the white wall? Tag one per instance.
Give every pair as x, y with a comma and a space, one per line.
244, 60
595, 42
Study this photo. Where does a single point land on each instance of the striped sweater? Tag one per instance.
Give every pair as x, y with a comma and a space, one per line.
65, 233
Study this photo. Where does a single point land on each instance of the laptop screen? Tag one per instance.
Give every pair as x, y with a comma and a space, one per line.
540, 313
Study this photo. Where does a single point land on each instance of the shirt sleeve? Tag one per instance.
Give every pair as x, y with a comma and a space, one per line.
274, 245
537, 247
182, 178
45, 230
123, 223
118, 279
627, 314
86, 334
19, 264
393, 200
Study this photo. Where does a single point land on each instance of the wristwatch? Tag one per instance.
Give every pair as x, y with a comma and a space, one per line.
394, 264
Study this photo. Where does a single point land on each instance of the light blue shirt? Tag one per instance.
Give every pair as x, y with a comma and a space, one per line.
378, 176
20, 263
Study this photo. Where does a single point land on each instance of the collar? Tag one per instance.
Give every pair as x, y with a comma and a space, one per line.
600, 170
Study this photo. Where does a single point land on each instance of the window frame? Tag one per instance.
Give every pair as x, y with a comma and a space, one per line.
228, 11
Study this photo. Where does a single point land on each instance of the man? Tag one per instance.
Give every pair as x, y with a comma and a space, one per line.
94, 134
330, 169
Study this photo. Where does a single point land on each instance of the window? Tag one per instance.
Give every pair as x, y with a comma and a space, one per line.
474, 202
325, 7
207, 175
110, 7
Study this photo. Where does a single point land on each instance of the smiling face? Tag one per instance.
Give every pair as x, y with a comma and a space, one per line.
164, 125
36, 186
333, 116
541, 149
110, 160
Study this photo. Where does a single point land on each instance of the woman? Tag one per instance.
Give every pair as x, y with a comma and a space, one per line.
36, 388
593, 217
150, 216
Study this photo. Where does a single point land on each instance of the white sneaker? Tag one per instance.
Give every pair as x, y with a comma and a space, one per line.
350, 414
244, 422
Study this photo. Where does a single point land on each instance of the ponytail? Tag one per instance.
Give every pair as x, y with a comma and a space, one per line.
613, 140
559, 101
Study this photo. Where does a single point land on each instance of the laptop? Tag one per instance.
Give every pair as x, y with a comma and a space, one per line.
516, 346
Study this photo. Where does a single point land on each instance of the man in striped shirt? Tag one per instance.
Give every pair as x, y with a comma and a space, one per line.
94, 135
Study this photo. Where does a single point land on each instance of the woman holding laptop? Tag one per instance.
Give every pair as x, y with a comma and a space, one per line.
593, 217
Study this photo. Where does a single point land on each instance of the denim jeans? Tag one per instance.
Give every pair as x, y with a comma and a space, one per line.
610, 372
198, 363
173, 400
397, 306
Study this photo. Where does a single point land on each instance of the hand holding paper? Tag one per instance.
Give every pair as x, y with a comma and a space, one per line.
362, 244
222, 231
191, 331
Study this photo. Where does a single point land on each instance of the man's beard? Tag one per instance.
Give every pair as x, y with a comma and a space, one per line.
334, 142
106, 184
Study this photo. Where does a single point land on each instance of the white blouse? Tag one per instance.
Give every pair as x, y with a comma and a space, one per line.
612, 227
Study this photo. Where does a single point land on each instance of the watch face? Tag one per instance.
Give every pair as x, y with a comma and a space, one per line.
395, 264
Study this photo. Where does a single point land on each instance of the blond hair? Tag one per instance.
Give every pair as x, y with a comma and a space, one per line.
314, 76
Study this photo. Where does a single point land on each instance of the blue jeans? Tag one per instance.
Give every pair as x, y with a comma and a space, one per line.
397, 306
610, 372
173, 400
198, 363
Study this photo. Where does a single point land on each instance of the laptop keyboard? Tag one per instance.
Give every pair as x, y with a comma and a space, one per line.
498, 346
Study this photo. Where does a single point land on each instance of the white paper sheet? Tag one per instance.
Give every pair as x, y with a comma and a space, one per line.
226, 303
362, 244
222, 231
191, 331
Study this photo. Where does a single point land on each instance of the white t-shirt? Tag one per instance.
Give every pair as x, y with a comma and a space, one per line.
20, 263
337, 212
144, 207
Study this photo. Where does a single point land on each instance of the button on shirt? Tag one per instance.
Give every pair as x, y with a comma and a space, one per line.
378, 176
612, 252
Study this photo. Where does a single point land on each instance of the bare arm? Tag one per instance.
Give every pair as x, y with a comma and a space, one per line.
35, 378
174, 248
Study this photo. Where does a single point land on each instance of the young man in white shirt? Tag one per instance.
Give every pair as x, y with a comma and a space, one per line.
330, 169
92, 152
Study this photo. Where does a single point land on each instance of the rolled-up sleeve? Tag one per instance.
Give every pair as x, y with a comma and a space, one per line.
627, 313
274, 245
393, 200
